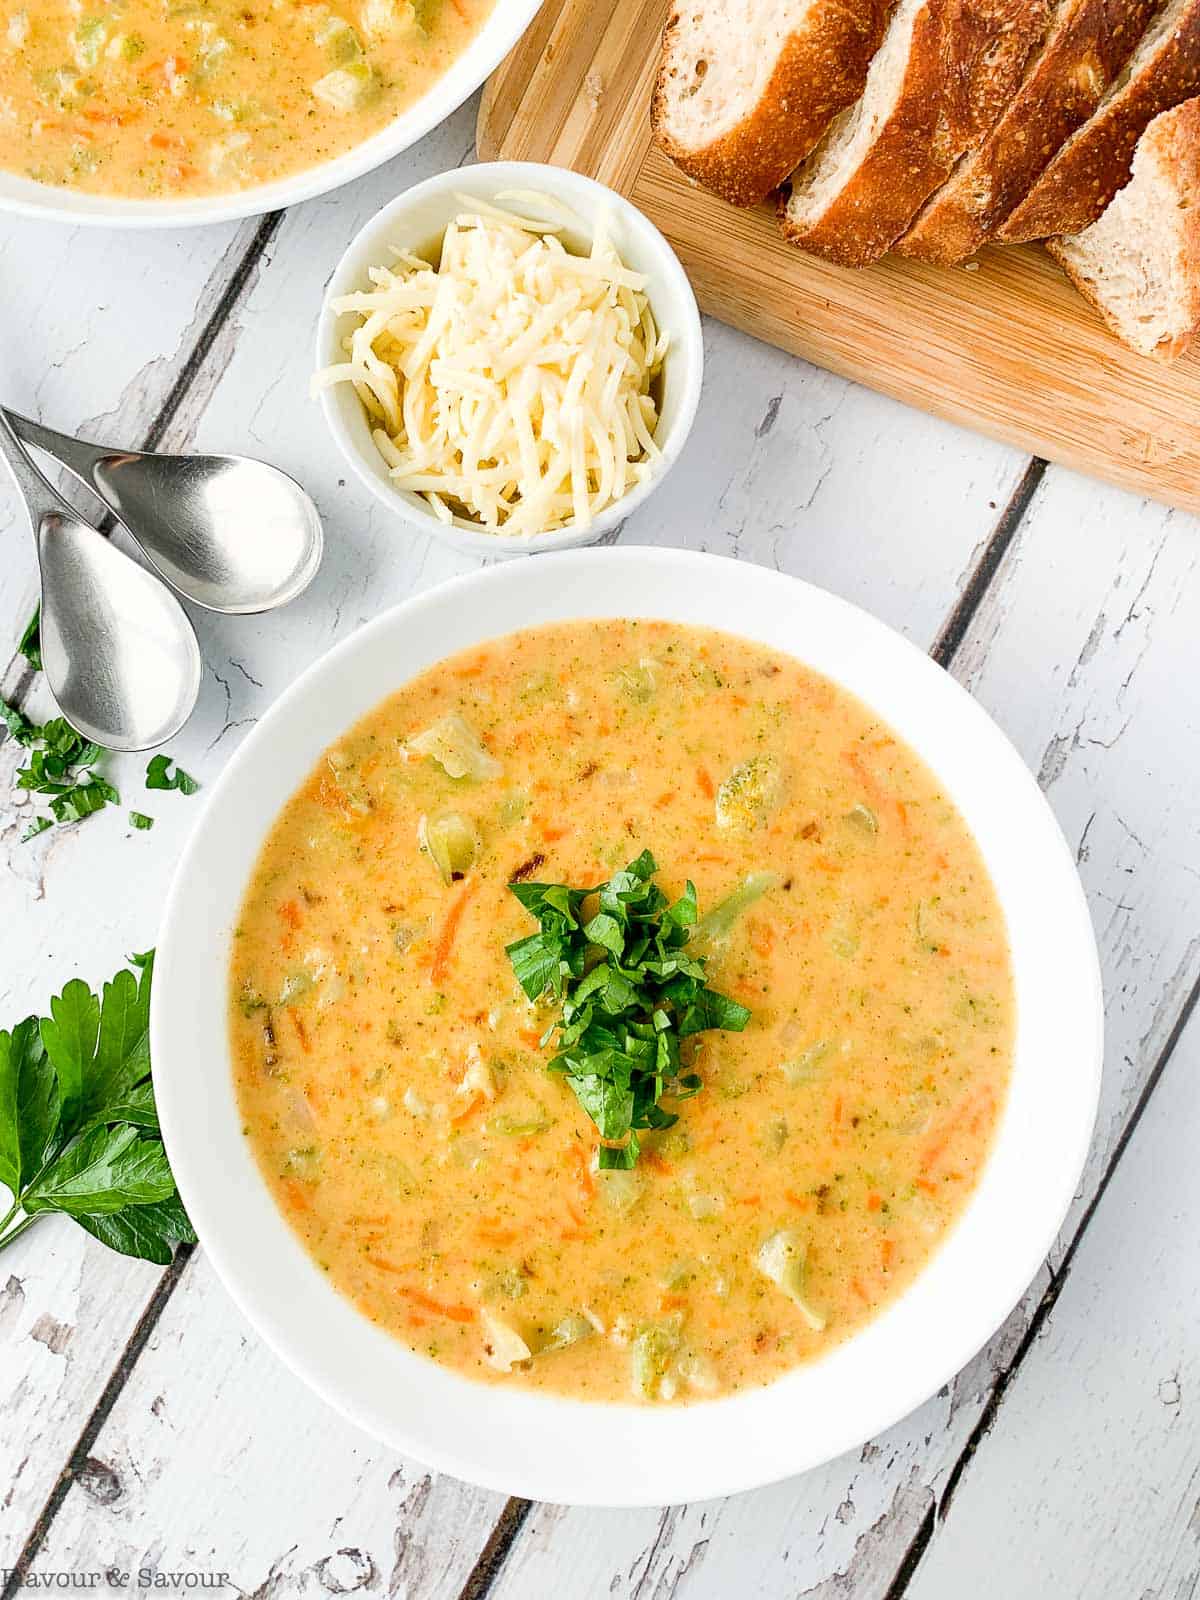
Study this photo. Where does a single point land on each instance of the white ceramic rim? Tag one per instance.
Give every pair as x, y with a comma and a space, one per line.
49, 203
530, 1444
641, 245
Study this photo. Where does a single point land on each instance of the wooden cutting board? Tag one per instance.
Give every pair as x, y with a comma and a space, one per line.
1005, 346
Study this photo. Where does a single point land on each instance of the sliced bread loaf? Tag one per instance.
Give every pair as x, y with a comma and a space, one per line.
1139, 263
745, 88
1095, 161
943, 73
1085, 46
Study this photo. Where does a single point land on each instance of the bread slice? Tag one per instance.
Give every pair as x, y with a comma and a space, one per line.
745, 88
1086, 45
994, 40
1139, 264
1095, 161
944, 72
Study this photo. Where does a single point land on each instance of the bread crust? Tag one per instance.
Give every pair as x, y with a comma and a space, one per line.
1062, 87
876, 202
1175, 135
1089, 169
820, 71
997, 39
965, 60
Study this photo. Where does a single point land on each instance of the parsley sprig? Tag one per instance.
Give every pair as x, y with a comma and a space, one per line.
629, 994
78, 1128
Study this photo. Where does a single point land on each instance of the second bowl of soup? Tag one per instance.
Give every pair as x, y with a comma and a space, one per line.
147, 115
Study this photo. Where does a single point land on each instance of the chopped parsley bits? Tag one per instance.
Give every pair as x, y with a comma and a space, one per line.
629, 994
61, 766
159, 775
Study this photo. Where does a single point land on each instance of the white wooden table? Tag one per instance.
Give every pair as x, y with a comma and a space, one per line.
145, 1427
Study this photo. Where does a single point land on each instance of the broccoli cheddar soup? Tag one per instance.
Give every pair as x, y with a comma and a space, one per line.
621, 1009
175, 98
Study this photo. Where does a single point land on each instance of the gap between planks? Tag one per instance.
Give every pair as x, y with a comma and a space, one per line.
134, 1345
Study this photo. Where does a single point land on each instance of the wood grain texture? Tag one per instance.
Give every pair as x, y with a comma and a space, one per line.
1004, 345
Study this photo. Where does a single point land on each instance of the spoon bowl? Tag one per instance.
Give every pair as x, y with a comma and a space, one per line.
231, 534
119, 653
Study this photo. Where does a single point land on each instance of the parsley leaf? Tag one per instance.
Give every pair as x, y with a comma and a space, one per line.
148, 1231
29, 1103
78, 1125
141, 821
105, 1170
18, 725
84, 798
628, 993
159, 776
30, 642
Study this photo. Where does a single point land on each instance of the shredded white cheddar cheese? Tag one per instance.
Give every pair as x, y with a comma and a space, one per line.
510, 386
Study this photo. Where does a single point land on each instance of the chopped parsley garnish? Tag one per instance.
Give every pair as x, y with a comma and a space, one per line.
78, 1128
61, 765
19, 726
629, 995
141, 821
159, 776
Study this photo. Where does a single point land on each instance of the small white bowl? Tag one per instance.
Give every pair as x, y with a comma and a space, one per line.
541, 1445
499, 33
416, 221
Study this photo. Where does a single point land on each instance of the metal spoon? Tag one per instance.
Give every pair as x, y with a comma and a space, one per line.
118, 651
232, 534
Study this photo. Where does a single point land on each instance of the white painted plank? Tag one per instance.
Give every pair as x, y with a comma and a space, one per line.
65, 1314
222, 1461
106, 326
795, 468
1113, 729
1089, 1484
830, 482
1079, 651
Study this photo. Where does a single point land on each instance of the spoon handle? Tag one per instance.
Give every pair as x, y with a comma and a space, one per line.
40, 496
77, 455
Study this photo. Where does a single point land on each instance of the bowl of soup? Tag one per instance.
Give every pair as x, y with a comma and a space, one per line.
147, 115
631, 996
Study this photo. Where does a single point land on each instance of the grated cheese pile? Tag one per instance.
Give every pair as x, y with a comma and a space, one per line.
510, 385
